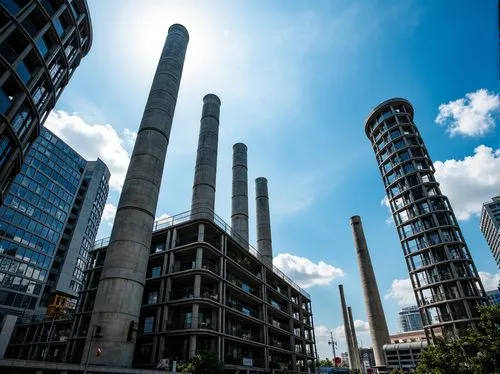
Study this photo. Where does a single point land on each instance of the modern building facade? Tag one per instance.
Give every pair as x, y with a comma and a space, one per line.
367, 359
204, 291
409, 319
493, 296
443, 275
41, 45
490, 226
40, 222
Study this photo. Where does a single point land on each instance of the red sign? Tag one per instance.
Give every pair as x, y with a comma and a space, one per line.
338, 360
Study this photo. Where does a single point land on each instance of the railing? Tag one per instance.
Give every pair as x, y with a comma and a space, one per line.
278, 324
206, 293
186, 216
279, 344
243, 308
242, 285
244, 334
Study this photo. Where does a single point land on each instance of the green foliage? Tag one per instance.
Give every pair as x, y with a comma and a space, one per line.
475, 352
325, 362
397, 371
204, 363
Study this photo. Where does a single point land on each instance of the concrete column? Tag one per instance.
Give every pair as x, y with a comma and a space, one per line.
195, 316
239, 199
199, 257
197, 285
264, 242
119, 295
354, 338
203, 201
347, 329
7, 328
374, 311
192, 346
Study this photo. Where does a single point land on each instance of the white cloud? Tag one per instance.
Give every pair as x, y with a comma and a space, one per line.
385, 202
490, 281
162, 216
470, 182
322, 335
108, 214
401, 291
129, 137
92, 141
470, 116
305, 272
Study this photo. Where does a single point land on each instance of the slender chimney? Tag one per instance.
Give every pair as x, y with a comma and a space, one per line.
239, 206
119, 294
205, 173
354, 338
347, 329
375, 313
264, 243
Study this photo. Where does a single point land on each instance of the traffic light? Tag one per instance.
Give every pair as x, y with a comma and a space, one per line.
131, 329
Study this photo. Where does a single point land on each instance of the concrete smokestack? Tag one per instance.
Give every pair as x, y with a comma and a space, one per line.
375, 313
239, 200
119, 295
354, 338
264, 243
205, 173
347, 329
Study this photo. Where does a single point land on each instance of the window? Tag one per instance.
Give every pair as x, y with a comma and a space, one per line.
156, 271
153, 297
148, 324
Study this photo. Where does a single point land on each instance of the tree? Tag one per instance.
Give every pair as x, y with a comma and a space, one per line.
325, 362
475, 352
203, 363
397, 371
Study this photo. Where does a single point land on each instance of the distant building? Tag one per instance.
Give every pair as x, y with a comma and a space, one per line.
48, 221
409, 337
404, 356
493, 296
490, 226
409, 319
367, 359
344, 356
41, 45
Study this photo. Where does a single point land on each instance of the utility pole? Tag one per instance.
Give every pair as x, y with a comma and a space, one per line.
333, 343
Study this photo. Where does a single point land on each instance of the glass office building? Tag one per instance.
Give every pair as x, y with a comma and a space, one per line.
37, 222
409, 319
443, 275
41, 44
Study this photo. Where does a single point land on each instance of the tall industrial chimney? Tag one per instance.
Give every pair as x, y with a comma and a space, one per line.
264, 243
354, 338
347, 329
119, 295
203, 201
375, 313
239, 206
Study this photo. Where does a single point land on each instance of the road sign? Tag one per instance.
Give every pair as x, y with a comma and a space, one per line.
338, 360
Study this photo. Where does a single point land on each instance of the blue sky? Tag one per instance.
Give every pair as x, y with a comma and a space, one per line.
297, 80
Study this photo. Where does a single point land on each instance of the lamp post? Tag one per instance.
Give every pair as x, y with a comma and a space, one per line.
333, 343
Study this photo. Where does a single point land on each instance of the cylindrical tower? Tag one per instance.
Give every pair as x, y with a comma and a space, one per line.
205, 173
347, 330
264, 242
444, 278
42, 43
354, 339
239, 200
119, 295
374, 311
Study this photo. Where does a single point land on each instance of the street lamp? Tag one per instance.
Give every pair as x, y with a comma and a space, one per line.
333, 343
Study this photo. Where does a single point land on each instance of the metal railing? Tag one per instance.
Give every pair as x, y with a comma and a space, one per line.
187, 216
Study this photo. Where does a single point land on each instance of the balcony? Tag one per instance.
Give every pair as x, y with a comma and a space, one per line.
280, 325
246, 334
243, 308
243, 361
242, 285
205, 293
276, 343
278, 306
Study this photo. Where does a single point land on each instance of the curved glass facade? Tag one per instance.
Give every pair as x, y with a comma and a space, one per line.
41, 44
443, 275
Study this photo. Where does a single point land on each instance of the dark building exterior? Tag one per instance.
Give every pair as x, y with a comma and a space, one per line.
444, 278
490, 226
41, 44
204, 291
47, 222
